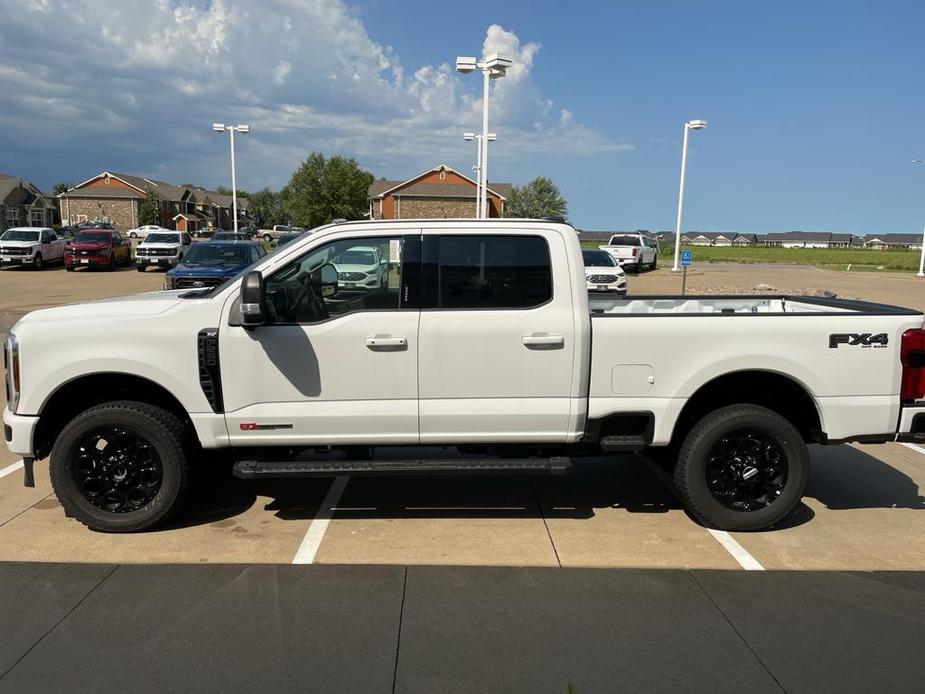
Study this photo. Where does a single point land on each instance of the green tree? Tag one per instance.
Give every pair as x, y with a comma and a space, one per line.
536, 199
149, 212
61, 187
266, 207
322, 189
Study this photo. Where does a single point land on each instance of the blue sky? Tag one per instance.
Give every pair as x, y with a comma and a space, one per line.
815, 109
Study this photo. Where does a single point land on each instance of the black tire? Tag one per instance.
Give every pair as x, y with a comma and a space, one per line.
37, 263
161, 431
704, 447
111, 267
654, 265
140, 268
69, 268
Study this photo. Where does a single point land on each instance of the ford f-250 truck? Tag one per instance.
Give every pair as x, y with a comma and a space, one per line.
480, 336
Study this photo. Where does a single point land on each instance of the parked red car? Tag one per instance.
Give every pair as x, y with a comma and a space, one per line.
97, 248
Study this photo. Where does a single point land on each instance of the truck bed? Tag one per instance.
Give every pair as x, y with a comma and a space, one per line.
769, 305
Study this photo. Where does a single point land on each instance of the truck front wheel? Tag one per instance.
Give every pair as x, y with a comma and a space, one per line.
742, 467
120, 466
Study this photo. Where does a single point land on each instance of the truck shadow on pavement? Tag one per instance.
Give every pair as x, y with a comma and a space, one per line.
843, 478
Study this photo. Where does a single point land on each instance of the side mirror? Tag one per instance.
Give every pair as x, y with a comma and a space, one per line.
252, 296
328, 278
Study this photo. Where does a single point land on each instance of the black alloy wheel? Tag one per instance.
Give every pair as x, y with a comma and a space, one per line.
117, 470
746, 470
37, 262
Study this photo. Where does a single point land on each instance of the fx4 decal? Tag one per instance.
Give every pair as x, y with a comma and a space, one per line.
864, 340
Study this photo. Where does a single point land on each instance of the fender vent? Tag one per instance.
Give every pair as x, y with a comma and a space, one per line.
209, 372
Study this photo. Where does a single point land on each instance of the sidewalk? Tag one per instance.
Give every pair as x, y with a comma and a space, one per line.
90, 627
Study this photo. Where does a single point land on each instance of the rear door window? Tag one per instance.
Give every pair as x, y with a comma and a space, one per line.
491, 272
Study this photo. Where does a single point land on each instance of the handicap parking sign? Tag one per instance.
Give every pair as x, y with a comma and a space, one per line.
686, 257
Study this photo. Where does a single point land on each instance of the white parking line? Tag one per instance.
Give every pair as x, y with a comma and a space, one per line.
729, 543
913, 447
315, 533
10, 469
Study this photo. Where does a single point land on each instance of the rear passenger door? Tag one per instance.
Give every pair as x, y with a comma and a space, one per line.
497, 338
52, 246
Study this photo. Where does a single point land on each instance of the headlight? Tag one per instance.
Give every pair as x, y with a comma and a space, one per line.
168, 282
11, 364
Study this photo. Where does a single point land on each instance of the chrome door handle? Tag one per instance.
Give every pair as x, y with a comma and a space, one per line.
373, 342
543, 341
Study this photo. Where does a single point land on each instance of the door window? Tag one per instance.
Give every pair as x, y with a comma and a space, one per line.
48, 236
370, 275
492, 272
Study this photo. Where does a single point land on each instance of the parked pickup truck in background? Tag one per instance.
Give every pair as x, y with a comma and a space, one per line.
479, 336
634, 250
210, 263
97, 248
33, 247
162, 249
277, 231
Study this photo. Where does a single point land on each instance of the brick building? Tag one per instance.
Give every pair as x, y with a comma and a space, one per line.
23, 205
117, 198
439, 193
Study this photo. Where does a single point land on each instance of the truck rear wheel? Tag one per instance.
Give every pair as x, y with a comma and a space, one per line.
120, 467
742, 467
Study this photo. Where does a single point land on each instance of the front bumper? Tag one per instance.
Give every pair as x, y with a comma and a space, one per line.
86, 260
157, 261
12, 260
18, 431
611, 288
912, 424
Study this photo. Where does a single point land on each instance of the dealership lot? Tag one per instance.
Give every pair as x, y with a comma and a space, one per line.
859, 512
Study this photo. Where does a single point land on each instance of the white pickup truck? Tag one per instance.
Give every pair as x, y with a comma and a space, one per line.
633, 249
32, 247
479, 336
163, 248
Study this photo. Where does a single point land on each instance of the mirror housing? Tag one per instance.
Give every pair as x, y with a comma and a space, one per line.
327, 278
252, 300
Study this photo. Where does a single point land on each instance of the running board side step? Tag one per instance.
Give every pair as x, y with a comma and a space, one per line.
257, 469
622, 442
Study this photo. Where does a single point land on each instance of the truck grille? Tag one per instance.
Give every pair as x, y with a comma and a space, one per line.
602, 279
196, 282
15, 251
155, 251
351, 276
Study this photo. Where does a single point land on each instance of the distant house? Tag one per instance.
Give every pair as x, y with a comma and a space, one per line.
439, 193
117, 198
23, 205
893, 241
809, 239
604, 236
708, 238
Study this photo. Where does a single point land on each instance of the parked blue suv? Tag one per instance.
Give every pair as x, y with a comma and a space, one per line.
211, 263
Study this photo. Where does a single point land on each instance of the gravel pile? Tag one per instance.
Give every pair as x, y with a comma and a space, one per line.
765, 289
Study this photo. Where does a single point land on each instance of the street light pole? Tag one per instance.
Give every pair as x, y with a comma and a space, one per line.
469, 137
921, 272
689, 125
493, 66
243, 129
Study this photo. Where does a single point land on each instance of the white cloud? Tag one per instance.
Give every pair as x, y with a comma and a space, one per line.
304, 73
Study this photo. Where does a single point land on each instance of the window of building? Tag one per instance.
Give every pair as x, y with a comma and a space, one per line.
493, 272
36, 217
12, 216
369, 278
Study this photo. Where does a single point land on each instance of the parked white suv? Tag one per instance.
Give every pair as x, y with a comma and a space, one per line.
602, 272
636, 250
162, 249
30, 246
360, 266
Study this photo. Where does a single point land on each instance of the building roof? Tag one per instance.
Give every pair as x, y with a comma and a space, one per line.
894, 238
143, 186
9, 183
379, 188
809, 236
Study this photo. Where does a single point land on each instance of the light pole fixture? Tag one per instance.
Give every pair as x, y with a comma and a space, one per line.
469, 137
493, 66
921, 272
232, 129
689, 125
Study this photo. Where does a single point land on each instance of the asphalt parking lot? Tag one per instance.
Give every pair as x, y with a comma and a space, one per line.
596, 581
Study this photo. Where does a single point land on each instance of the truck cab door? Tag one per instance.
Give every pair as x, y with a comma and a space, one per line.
498, 337
332, 365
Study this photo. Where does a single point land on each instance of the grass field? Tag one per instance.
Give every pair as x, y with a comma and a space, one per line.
835, 258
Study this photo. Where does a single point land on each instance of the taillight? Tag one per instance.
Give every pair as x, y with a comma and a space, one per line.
912, 355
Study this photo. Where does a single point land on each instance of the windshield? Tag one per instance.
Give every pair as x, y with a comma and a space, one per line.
355, 256
625, 240
216, 255
92, 236
598, 259
162, 238
17, 235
